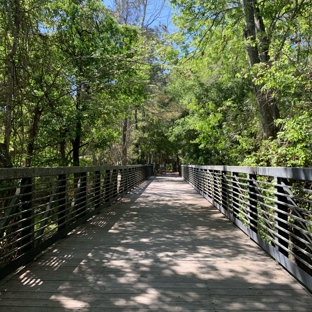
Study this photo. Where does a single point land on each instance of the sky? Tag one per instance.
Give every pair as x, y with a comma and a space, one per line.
164, 19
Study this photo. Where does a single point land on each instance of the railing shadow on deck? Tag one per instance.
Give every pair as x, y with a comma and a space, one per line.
39, 206
141, 267
271, 205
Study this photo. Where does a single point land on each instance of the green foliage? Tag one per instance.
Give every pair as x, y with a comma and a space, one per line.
212, 80
73, 78
291, 148
77, 73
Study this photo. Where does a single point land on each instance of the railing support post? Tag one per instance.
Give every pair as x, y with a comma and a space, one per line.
107, 184
213, 187
281, 220
27, 233
235, 193
122, 186
83, 194
252, 202
62, 188
224, 191
114, 182
97, 190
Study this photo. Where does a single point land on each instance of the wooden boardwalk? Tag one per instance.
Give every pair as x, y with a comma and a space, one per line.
161, 248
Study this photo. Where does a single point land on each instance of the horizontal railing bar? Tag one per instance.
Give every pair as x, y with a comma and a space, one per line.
281, 172
291, 187
289, 251
294, 236
18, 173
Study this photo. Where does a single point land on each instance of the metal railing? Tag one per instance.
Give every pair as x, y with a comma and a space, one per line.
39, 206
271, 205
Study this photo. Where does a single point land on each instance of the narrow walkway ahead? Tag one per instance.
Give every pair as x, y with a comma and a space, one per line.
162, 248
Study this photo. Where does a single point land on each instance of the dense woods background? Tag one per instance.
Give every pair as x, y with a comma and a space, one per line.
86, 84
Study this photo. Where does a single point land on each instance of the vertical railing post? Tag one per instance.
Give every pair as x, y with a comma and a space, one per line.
83, 194
252, 202
208, 183
281, 219
27, 233
143, 173
114, 182
131, 179
61, 198
151, 170
97, 190
224, 191
218, 180
204, 182
201, 180
235, 194
127, 173
213, 186
187, 170
122, 186
188, 173
80, 194
107, 184
137, 175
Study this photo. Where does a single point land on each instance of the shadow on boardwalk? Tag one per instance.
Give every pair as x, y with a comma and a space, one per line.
161, 248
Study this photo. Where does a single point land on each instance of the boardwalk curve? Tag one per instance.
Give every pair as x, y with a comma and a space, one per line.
161, 248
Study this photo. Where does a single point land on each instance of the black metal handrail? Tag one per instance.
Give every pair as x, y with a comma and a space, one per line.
273, 206
39, 206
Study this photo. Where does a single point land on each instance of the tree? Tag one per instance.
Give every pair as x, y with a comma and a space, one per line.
11, 17
257, 47
100, 52
72, 63
242, 73
260, 29
143, 14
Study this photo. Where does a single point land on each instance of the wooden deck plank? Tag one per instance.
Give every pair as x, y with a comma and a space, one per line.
161, 248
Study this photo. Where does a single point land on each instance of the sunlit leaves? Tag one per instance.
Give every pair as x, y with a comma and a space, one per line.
216, 85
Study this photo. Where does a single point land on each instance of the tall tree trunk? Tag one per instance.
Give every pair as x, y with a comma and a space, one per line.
63, 160
257, 51
13, 11
76, 142
33, 132
5, 161
124, 159
136, 120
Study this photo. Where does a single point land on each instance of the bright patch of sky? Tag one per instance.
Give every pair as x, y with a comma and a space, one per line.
164, 19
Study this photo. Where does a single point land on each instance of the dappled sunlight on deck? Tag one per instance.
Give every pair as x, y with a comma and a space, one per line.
161, 248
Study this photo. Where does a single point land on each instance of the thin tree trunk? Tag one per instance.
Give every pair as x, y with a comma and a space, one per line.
63, 161
76, 142
124, 159
33, 132
136, 120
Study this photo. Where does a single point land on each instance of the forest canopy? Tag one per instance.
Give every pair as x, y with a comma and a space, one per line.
86, 84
